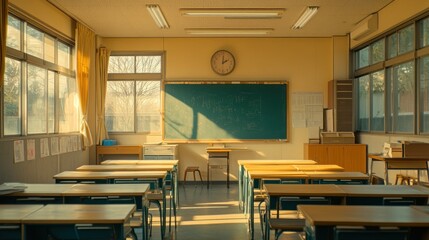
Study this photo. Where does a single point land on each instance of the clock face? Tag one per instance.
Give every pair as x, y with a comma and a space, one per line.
222, 62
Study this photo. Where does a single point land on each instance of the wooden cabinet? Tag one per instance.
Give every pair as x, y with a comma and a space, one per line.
352, 157
340, 99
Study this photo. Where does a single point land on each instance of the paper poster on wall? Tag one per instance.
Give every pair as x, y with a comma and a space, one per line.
54, 146
18, 151
44, 147
307, 109
31, 149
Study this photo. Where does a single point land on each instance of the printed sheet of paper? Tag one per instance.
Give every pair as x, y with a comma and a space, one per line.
18, 151
31, 149
44, 147
307, 109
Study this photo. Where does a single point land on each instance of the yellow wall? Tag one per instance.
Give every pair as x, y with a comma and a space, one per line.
306, 63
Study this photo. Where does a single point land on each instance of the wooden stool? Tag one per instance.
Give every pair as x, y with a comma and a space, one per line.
192, 169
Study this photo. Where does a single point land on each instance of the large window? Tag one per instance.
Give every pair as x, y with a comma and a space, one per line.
393, 91
133, 93
39, 94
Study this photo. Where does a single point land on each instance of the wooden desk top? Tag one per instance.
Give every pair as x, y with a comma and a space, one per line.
80, 214
107, 189
316, 190
337, 175
270, 168
384, 158
277, 174
275, 162
381, 191
110, 175
424, 209
14, 213
288, 167
383, 216
319, 167
43, 190
132, 167
140, 162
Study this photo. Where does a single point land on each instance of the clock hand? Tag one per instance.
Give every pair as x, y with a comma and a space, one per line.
224, 61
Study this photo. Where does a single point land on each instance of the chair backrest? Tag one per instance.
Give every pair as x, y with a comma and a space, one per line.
365, 234
94, 232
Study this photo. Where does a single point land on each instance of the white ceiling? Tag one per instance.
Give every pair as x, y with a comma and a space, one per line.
129, 18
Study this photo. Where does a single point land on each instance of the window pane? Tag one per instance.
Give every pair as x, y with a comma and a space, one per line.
51, 102
13, 33
377, 51
119, 108
363, 114
148, 64
121, 64
49, 49
363, 57
148, 105
377, 100
12, 97
64, 53
424, 32
392, 43
68, 120
406, 39
403, 97
424, 95
36, 100
34, 42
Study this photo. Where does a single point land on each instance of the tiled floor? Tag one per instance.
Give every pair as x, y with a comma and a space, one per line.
209, 214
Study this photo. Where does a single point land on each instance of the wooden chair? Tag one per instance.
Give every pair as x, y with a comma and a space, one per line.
193, 170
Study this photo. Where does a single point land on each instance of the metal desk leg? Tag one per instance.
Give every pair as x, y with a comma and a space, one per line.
386, 173
208, 173
227, 170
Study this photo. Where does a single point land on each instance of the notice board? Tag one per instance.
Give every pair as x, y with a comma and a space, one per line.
225, 111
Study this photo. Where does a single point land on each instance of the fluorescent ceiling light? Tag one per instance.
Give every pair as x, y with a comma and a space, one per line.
157, 16
305, 17
228, 31
234, 12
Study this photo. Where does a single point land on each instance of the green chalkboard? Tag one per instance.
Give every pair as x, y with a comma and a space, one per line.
225, 111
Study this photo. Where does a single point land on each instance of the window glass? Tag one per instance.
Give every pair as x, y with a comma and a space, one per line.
51, 102
377, 50
119, 109
64, 53
121, 64
148, 64
424, 94
363, 57
68, 105
148, 106
36, 100
12, 97
49, 49
13, 33
406, 39
377, 100
403, 97
363, 112
424, 32
34, 42
392, 43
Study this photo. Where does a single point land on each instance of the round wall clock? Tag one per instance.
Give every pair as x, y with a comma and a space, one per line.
223, 62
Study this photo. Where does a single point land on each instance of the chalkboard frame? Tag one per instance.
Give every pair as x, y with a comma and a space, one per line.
285, 121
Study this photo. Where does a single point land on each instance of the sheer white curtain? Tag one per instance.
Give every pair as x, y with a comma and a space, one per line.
103, 64
85, 45
3, 30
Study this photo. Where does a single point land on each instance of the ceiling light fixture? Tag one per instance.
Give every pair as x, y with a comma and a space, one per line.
158, 17
305, 17
228, 31
240, 13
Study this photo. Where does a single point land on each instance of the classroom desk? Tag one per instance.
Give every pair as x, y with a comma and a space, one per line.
215, 154
400, 163
119, 177
119, 150
243, 163
72, 219
82, 193
321, 220
11, 216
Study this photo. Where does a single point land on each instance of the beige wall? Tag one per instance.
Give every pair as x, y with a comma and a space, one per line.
306, 63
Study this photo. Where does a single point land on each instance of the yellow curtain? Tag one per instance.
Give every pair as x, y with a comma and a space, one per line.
3, 30
85, 45
103, 63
